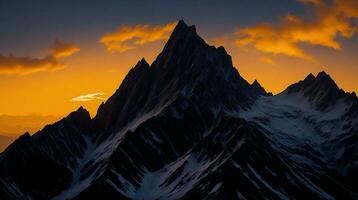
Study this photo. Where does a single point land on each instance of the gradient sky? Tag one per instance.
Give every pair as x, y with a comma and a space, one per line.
58, 55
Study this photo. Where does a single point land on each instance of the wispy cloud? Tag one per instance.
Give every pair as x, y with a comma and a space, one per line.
130, 37
329, 20
88, 97
61, 49
16, 65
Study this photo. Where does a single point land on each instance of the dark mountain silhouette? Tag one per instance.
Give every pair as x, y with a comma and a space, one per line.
188, 126
256, 86
321, 89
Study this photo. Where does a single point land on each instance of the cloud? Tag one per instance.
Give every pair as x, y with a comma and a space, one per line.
328, 21
25, 65
14, 65
60, 49
88, 97
130, 37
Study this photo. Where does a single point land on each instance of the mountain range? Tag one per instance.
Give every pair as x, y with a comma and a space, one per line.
188, 126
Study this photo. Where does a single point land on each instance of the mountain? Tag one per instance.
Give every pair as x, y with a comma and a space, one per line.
321, 90
256, 86
188, 126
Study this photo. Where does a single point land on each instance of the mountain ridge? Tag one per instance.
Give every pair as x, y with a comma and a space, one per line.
321, 89
188, 126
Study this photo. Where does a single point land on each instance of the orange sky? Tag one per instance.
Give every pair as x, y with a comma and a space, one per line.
50, 93
55, 81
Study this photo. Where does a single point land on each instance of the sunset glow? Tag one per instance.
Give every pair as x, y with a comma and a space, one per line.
73, 66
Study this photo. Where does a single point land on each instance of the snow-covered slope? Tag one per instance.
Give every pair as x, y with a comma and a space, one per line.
188, 126
312, 133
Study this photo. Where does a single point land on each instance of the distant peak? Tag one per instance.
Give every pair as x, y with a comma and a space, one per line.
322, 90
322, 82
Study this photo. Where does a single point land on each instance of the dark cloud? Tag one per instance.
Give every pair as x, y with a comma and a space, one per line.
11, 65
26, 65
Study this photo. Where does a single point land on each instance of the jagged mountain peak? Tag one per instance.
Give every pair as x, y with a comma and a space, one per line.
135, 73
182, 25
321, 90
141, 65
324, 78
142, 62
308, 82
79, 119
180, 32
80, 116
323, 74
185, 43
256, 86
310, 77
187, 67
256, 83
81, 111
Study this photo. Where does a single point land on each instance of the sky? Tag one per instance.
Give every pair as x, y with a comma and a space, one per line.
58, 55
